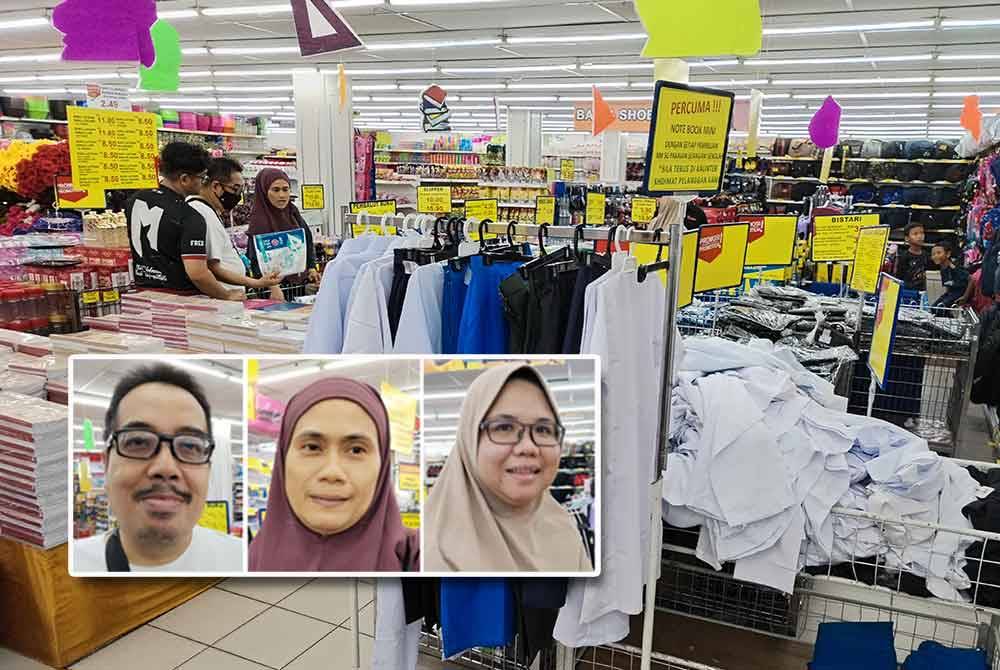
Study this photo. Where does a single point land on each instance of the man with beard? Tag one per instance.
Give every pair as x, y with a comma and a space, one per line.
158, 465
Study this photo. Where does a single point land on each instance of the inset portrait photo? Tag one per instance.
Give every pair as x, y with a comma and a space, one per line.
156, 471
511, 458
334, 474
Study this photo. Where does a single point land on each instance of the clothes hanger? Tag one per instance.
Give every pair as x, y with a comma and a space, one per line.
554, 261
604, 260
623, 261
650, 268
467, 247
385, 219
509, 253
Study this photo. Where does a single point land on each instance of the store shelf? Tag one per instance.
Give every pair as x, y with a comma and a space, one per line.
444, 180
395, 182
512, 185
432, 151
873, 160
881, 182
209, 132
244, 152
521, 205
949, 208
785, 202
17, 119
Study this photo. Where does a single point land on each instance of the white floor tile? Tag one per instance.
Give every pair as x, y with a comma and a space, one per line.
334, 652
268, 589
275, 637
327, 599
148, 647
213, 659
10, 660
210, 616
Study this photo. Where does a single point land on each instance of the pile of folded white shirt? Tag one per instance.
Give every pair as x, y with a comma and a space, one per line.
762, 453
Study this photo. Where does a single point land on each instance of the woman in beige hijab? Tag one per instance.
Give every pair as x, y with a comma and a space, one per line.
491, 510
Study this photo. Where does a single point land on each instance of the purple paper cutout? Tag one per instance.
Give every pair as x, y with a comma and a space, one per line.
343, 38
824, 128
106, 30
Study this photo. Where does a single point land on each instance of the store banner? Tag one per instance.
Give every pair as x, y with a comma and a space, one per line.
687, 140
771, 240
373, 207
313, 196
481, 210
886, 313
835, 238
630, 117
722, 252
545, 210
649, 253
433, 199
112, 150
869, 257
643, 209
402, 408
596, 203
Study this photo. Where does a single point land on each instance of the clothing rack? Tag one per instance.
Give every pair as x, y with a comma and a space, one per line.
670, 235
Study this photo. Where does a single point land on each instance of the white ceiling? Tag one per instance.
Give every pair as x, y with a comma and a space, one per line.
276, 381
921, 36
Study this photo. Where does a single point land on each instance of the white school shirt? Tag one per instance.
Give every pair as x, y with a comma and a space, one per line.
419, 330
218, 244
209, 551
395, 641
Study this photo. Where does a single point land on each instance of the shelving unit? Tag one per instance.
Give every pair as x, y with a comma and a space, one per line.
948, 208
16, 119
881, 182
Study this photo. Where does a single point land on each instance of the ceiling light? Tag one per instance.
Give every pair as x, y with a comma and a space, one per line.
951, 94
965, 80
845, 96
242, 72
768, 96
302, 371
252, 51
253, 89
85, 76
853, 28
91, 400
564, 39
969, 23
194, 51
177, 14
512, 68
562, 108
847, 117
443, 44
245, 112
568, 85
17, 79
731, 82
536, 98
183, 101
206, 370
35, 91
984, 56
195, 89
454, 87
194, 74
31, 58
374, 73
428, 3
894, 106
284, 8
24, 23
618, 66
376, 87
851, 82
765, 62
239, 100
184, 105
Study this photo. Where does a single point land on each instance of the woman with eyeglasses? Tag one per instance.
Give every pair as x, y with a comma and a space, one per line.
490, 509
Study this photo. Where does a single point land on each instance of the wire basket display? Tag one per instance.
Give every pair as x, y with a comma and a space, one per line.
500, 658
624, 657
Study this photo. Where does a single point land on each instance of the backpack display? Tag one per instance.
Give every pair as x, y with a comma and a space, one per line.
856, 170
957, 172
853, 147
945, 149
779, 169
871, 149
863, 193
920, 149
803, 190
890, 195
932, 171
945, 197
802, 149
879, 171
917, 195
908, 171
896, 219
805, 169
780, 146
781, 190
893, 149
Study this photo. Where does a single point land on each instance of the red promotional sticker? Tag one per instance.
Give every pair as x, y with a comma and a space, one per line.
710, 245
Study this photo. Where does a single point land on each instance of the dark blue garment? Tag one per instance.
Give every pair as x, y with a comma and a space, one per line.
955, 281
935, 656
484, 329
854, 646
452, 304
475, 613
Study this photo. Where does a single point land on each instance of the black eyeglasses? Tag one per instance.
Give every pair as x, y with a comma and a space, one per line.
510, 432
189, 448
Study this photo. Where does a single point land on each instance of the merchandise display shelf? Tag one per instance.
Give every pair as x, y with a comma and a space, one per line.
210, 133
872, 160
519, 205
946, 208
19, 119
881, 182
432, 151
446, 180
513, 185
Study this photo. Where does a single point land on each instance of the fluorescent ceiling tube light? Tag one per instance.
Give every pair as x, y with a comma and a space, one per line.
375, 73
619, 66
303, 371
245, 72
85, 76
35, 91
245, 112
195, 89
569, 39
194, 51
965, 80
192, 74
513, 68
922, 105
90, 401
870, 81
207, 370
253, 89
31, 58
252, 51
18, 79
767, 96
177, 14
969, 23
845, 96
765, 62
24, 23
853, 28
454, 87
443, 44
285, 8
985, 56
376, 87
731, 82
537, 98
951, 94
848, 117
239, 100
562, 85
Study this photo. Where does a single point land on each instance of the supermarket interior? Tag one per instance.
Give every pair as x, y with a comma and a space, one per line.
773, 222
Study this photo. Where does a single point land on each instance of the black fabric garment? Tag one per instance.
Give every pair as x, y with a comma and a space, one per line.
551, 301
574, 321
986, 377
164, 230
400, 280
516, 296
955, 280
866, 573
114, 555
911, 269
983, 566
422, 600
537, 603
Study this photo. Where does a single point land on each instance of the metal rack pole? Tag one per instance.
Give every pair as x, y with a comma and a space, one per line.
356, 624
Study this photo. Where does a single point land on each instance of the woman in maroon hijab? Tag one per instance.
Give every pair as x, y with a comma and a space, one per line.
332, 505
272, 212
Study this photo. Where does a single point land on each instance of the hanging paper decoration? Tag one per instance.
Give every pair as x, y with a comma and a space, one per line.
106, 30
88, 435
824, 128
321, 29
603, 115
680, 29
342, 85
165, 73
972, 117
435, 109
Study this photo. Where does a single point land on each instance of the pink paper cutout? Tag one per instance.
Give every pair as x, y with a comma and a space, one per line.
824, 128
106, 30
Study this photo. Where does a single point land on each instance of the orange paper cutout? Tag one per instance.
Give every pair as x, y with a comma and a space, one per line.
603, 115
972, 116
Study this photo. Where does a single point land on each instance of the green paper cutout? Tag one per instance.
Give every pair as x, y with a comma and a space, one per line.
165, 73
88, 435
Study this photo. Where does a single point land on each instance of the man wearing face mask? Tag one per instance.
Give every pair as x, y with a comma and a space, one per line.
221, 191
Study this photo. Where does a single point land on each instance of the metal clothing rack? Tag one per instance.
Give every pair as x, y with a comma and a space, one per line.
669, 234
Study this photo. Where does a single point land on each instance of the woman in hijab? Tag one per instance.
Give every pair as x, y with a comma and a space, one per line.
272, 212
331, 506
490, 509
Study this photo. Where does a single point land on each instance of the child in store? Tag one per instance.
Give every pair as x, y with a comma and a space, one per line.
954, 278
911, 261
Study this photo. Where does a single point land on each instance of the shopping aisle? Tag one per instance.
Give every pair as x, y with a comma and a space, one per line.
245, 624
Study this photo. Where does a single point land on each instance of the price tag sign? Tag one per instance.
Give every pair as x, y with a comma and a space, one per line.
70, 197
410, 519
313, 196
687, 140
91, 297
595, 209
110, 296
722, 252
885, 327
215, 516
835, 238
643, 209
374, 207
433, 199
567, 169
868, 258
772, 240
482, 209
402, 409
545, 210
112, 150
409, 477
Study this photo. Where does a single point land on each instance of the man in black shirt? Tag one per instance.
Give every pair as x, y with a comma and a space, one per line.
911, 262
167, 236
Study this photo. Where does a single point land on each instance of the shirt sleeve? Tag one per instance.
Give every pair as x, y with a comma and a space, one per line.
193, 236
215, 235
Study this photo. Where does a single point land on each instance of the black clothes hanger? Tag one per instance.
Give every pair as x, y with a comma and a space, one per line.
645, 270
546, 260
510, 252
604, 260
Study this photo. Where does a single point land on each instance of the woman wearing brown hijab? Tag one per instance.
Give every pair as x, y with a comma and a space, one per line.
332, 506
273, 212
491, 510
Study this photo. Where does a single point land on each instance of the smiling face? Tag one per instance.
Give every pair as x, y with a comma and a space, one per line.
518, 474
158, 501
280, 193
332, 466
939, 255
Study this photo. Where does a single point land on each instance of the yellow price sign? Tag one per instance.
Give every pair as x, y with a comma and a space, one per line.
868, 258
215, 516
595, 209
359, 229
313, 196
687, 139
409, 477
433, 199
722, 252
646, 254
643, 209
110, 296
885, 327
411, 519
481, 210
567, 169
402, 409
835, 238
545, 210
373, 207
111, 149
91, 297
772, 240
70, 197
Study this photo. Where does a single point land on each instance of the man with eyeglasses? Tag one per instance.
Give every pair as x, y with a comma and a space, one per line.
221, 191
167, 236
158, 461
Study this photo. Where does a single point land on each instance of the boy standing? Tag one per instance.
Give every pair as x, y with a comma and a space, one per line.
911, 262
